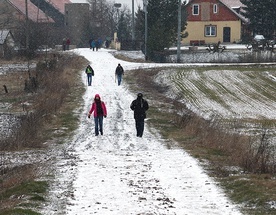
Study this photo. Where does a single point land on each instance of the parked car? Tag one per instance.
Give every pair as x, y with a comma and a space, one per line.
259, 38
257, 43
260, 43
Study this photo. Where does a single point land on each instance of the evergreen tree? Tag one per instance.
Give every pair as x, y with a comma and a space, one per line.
124, 26
261, 15
162, 25
140, 24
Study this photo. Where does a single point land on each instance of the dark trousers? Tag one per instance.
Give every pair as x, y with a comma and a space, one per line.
119, 78
139, 123
98, 123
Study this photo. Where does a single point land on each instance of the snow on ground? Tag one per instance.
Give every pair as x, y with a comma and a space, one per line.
4, 68
121, 174
235, 89
8, 121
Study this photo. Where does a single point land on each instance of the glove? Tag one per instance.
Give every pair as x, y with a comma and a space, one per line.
104, 116
89, 116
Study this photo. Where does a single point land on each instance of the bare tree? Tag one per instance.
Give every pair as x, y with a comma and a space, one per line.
105, 17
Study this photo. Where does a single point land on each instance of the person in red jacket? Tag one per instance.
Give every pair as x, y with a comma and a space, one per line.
99, 109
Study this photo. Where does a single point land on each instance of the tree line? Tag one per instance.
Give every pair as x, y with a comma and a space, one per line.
162, 20
261, 16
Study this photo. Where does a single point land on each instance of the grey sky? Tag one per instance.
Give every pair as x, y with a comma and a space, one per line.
123, 2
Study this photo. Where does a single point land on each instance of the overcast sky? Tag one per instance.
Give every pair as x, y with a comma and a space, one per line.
124, 2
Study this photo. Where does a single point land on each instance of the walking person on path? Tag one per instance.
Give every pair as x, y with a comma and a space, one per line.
64, 44
90, 72
119, 72
93, 45
99, 109
139, 106
68, 42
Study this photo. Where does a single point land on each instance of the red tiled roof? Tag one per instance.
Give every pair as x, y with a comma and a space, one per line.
34, 14
232, 5
235, 4
59, 4
229, 3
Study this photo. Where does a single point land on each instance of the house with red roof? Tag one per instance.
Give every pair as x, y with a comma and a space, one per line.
37, 11
213, 21
18, 9
53, 8
59, 18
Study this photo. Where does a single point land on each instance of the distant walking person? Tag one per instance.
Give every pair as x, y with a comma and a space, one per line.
99, 109
90, 43
64, 44
139, 106
68, 42
119, 72
90, 72
93, 45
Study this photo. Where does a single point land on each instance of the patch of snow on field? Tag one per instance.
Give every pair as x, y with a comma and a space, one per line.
8, 123
225, 93
4, 68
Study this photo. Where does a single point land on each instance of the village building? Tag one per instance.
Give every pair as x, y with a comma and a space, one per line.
48, 21
213, 21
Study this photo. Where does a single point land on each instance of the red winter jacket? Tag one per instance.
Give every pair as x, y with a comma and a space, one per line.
94, 108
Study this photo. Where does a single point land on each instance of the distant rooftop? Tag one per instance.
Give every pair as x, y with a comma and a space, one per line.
34, 13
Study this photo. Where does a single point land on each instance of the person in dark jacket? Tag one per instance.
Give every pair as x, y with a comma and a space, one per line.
89, 72
139, 106
99, 109
93, 45
119, 72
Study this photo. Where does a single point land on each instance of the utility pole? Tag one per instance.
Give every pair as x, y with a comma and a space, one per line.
117, 6
133, 27
179, 32
27, 26
146, 27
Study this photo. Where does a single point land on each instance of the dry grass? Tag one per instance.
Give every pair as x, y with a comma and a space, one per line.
54, 83
11, 179
51, 106
221, 152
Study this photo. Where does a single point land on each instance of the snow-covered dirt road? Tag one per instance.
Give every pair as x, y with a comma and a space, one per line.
121, 174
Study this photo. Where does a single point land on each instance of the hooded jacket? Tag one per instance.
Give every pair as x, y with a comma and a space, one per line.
89, 70
119, 70
95, 109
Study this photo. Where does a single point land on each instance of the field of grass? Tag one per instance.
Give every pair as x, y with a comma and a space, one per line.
189, 106
224, 117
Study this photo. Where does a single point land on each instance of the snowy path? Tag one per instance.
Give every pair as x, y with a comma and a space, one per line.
120, 174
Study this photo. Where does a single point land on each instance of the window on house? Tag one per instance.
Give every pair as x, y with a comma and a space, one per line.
215, 8
195, 9
210, 31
